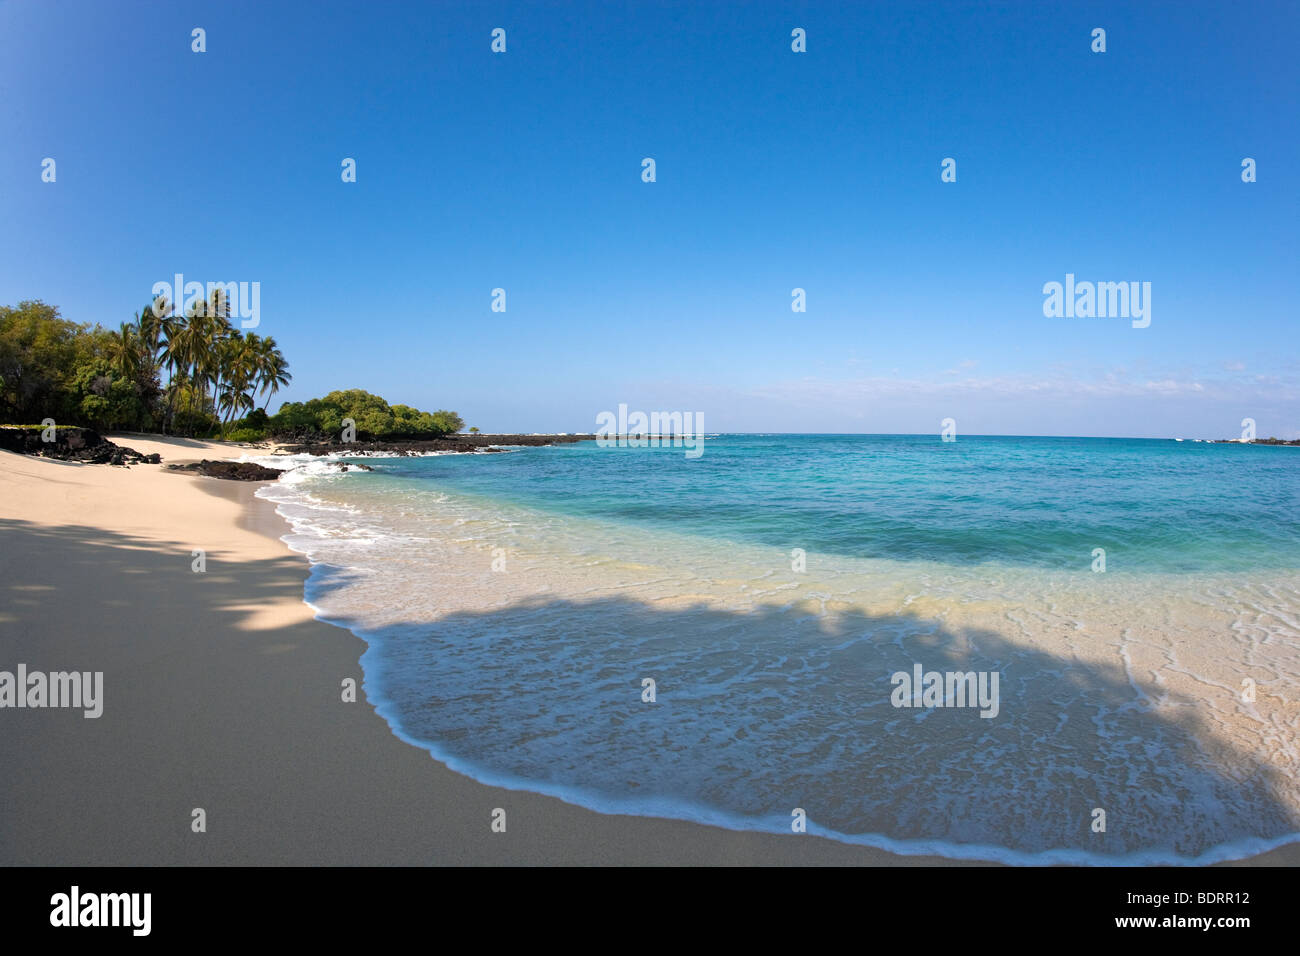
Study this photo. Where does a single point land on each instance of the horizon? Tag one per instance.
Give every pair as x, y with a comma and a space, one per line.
776, 171
931, 434
760, 434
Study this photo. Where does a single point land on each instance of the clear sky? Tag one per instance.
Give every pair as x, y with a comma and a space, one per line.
775, 170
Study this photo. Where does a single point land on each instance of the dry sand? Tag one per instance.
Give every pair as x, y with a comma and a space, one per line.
222, 692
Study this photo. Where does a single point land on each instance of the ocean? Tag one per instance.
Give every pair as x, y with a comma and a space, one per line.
724, 638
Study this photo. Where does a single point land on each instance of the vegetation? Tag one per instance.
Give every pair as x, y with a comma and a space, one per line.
192, 374
371, 416
114, 379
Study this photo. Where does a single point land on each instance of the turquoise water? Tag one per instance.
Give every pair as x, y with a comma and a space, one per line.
1047, 502
514, 606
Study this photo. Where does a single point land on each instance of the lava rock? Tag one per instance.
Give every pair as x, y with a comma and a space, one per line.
230, 470
71, 444
457, 443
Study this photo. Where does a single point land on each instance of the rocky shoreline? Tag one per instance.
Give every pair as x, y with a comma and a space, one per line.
453, 443
1255, 441
71, 444
88, 446
481, 444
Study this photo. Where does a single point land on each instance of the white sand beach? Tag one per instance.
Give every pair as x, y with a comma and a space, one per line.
221, 692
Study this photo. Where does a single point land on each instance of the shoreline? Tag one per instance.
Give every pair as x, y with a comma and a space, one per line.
228, 698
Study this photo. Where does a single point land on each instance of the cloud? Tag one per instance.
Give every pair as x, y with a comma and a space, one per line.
1063, 399
1106, 386
1057, 388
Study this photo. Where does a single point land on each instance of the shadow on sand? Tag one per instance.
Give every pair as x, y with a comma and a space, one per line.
759, 713
756, 714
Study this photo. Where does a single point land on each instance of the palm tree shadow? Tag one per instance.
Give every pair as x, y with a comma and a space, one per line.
759, 713
753, 715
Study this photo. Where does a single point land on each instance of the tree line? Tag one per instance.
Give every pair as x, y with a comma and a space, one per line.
187, 373
83, 374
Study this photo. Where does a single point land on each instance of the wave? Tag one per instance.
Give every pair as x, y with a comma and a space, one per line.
402, 561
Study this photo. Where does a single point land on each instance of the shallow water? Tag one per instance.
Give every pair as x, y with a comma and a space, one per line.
1119, 691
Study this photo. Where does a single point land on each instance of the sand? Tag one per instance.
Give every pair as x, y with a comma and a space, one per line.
221, 692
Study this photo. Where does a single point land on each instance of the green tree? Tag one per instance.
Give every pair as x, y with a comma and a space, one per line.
38, 349
272, 370
373, 416
106, 399
447, 423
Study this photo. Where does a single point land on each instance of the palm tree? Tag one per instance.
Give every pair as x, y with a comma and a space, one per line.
170, 326
184, 347
149, 322
207, 330
272, 370
191, 348
237, 368
220, 368
124, 350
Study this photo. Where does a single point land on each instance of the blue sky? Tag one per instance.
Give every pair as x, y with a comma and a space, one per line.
775, 170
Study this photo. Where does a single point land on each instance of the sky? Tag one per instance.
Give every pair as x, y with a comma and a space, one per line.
774, 170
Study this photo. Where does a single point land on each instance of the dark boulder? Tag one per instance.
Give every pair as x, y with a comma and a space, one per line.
230, 470
71, 444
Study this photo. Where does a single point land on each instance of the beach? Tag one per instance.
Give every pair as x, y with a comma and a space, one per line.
222, 692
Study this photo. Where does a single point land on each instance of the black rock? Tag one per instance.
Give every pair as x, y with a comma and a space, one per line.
71, 444
230, 470
457, 443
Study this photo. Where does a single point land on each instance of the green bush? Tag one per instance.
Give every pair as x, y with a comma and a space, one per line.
448, 422
246, 434
105, 399
200, 424
256, 419
372, 416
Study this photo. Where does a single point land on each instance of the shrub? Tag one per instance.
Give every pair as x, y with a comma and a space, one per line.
372, 416
195, 423
255, 419
447, 422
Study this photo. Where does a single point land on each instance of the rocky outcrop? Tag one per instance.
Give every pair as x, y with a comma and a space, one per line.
71, 444
457, 443
230, 470
1257, 441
